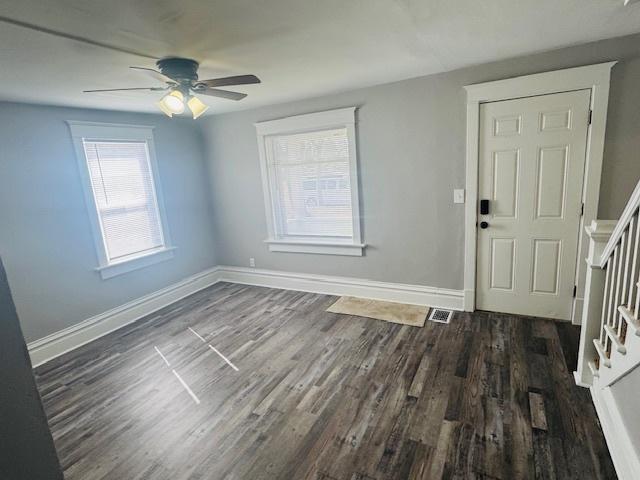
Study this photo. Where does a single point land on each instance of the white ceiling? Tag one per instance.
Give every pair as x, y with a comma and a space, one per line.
299, 48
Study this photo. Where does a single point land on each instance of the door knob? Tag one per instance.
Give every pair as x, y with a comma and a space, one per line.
484, 225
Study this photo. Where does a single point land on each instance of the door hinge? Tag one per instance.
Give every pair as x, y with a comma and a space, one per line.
582, 209
575, 290
590, 116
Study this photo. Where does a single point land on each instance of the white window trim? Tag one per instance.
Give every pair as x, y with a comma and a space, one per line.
590, 77
340, 118
112, 131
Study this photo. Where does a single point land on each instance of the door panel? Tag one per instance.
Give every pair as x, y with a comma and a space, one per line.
502, 263
506, 126
559, 120
546, 266
505, 183
532, 155
551, 178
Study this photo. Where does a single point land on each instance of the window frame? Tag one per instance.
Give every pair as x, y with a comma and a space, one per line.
111, 132
310, 122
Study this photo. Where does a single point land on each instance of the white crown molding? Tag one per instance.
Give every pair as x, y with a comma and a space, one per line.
63, 341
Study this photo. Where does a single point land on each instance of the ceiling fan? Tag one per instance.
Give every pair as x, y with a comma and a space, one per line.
180, 76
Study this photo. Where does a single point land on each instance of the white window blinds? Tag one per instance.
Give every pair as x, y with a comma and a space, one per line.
311, 186
125, 198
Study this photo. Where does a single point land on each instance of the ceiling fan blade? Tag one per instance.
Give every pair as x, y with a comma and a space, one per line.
153, 89
215, 92
226, 81
155, 74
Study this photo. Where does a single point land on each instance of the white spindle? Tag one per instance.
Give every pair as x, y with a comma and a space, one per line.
634, 262
605, 300
635, 286
626, 239
637, 307
619, 270
612, 287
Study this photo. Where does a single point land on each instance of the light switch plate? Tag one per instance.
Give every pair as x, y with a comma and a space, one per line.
458, 195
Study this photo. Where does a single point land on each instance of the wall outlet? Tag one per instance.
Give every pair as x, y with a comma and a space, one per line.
252, 262
458, 195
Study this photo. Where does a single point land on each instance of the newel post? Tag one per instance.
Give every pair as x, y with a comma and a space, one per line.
598, 232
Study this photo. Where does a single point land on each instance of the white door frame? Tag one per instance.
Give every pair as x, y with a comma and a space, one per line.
592, 77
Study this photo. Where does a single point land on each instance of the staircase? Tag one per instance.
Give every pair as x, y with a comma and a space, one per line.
610, 334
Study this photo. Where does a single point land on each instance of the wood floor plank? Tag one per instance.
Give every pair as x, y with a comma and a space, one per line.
538, 415
321, 396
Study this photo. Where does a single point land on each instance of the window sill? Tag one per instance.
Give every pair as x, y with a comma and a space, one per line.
125, 266
323, 248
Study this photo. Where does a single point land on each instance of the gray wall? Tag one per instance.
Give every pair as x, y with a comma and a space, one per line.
411, 146
45, 235
26, 447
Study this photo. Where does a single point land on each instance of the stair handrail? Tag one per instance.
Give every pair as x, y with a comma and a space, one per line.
629, 210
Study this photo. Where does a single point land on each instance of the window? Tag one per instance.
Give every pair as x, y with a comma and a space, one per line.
309, 173
117, 166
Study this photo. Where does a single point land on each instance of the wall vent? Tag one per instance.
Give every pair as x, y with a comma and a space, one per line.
441, 316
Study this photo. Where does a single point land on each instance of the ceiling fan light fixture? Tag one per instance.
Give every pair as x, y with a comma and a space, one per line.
180, 79
197, 107
164, 109
172, 103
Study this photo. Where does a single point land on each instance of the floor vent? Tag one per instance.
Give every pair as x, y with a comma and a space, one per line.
441, 316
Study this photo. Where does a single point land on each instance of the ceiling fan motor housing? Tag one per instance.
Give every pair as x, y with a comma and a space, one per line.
180, 76
183, 70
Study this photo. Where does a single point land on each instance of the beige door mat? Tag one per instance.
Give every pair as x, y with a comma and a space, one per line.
413, 315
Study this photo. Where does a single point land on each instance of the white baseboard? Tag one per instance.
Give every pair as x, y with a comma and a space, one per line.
356, 287
625, 459
54, 345
62, 341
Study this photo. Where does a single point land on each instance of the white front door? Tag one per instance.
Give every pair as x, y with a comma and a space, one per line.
531, 169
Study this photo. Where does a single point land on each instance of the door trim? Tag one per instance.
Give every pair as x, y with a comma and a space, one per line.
590, 77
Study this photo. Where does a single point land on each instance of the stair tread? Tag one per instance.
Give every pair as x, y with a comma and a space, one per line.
613, 335
604, 360
632, 322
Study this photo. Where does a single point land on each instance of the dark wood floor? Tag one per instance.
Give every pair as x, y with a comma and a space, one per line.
319, 395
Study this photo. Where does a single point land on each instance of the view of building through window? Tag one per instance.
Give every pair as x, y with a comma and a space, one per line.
312, 183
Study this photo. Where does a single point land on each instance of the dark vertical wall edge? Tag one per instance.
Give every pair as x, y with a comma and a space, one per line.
26, 446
